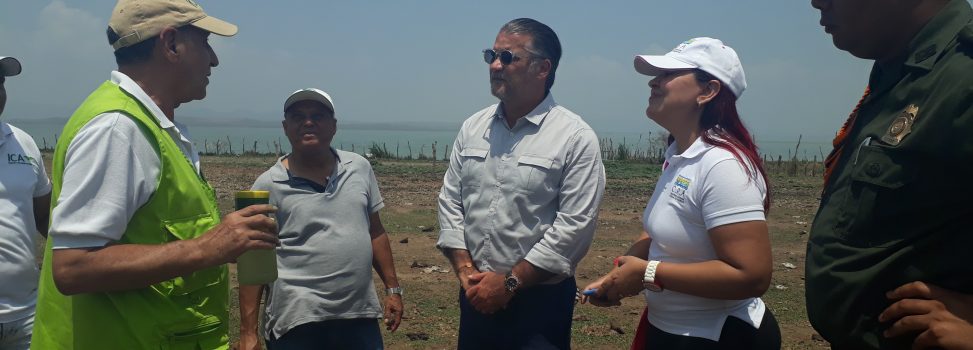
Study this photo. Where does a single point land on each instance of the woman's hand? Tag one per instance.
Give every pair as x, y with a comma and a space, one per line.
594, 300
623, 281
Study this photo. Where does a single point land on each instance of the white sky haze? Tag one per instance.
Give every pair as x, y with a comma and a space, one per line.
403, 61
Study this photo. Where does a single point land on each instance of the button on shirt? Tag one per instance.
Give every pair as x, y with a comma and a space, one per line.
528, 192
22, 178
110, 170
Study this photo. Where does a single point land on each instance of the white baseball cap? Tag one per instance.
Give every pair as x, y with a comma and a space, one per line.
9, 66
706, 54
311, 94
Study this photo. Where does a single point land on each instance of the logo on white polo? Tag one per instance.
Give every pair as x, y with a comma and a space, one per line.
14, 158
678, 189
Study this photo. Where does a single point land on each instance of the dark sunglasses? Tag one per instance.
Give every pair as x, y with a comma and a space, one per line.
505, 56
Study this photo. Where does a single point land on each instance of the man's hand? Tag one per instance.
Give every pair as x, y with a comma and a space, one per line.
464, 273
623, 281
248, 340
487, 294
940, 317
393, 312
240, 231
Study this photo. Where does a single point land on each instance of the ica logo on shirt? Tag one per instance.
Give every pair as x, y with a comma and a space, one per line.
14, 158
678, 191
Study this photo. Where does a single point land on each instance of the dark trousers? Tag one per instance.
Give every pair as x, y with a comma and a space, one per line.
736, 334
538, 317
357, 333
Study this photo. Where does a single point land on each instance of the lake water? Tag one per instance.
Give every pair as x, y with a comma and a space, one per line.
402, 142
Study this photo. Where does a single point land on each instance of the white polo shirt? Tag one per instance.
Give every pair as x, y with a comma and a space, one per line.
22, 178
702, 188
110, 171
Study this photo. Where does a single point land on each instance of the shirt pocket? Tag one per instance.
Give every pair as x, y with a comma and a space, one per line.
474, 164
207, 333
184, 229
536, 174
868, 217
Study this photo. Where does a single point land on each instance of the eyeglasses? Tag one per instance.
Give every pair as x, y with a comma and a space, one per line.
505, 56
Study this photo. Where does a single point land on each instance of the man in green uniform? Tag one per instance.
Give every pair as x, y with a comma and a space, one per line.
137, 252
890, 255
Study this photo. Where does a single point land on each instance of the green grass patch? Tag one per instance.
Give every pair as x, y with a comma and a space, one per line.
630, 169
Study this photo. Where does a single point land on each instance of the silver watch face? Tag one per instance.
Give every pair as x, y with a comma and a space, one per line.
511, 283
652, 287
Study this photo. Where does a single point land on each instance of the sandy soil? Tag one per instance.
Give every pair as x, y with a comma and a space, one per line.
431, 320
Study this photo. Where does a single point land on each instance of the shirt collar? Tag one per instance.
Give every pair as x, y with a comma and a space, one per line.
5, 131
695, 150
279, 173
133, 88
537, 115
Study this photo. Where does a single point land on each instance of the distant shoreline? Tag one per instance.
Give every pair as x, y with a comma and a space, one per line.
399, 137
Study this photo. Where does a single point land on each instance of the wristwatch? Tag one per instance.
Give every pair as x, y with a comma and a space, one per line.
511, 282
649, 281
394, 290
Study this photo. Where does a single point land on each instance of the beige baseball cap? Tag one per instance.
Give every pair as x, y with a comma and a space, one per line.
137, 20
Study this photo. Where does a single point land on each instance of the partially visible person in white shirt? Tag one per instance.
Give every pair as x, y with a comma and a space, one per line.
704, 255
25, 199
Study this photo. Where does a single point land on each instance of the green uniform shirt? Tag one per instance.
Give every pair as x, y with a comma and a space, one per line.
898, 205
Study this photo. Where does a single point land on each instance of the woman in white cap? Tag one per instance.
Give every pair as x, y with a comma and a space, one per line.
704, 255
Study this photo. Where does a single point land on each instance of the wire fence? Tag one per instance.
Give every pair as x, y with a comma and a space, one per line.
650, 148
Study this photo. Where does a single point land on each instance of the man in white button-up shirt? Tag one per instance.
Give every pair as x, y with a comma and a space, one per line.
520, 200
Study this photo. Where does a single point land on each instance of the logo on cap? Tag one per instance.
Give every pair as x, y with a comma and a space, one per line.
683, 45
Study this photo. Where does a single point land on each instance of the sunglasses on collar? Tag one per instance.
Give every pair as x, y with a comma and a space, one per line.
505, 56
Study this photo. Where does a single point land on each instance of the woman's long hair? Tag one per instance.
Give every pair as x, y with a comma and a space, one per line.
723, 128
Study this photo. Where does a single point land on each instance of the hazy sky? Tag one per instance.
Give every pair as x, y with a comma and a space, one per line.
400, 61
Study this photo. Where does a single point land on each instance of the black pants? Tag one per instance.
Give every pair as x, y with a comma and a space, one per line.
538, 317
736, 334
356, 333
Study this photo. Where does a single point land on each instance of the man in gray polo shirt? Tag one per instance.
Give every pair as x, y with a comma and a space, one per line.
330, 234
520, 200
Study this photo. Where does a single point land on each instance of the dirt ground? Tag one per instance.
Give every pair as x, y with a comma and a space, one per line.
432, 317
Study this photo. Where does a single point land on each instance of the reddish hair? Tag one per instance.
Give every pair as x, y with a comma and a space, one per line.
723, 128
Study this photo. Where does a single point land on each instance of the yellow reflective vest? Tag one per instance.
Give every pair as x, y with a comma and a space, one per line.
188, 312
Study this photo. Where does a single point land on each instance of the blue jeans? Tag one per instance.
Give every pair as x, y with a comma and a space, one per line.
356, 333
538, 317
